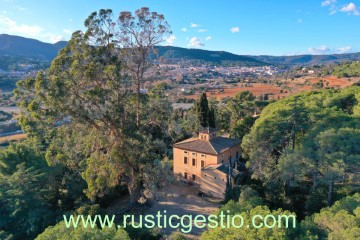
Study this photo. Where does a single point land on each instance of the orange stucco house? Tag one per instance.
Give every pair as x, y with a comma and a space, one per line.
207, 160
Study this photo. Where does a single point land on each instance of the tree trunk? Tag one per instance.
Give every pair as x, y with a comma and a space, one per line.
293, 140
314, 181
285, 187
292, 183
135, 193
138, 104
331, 191
134, 187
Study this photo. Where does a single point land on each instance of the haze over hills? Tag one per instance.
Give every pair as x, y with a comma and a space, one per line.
298, 60
175, 54
31, 48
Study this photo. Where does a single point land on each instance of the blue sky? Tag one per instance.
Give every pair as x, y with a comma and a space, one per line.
256, 27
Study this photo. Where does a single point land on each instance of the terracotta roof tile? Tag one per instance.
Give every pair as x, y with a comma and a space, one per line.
214, 147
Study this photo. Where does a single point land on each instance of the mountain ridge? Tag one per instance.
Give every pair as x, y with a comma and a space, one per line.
27, 47
308, 59
31, 48
217, 57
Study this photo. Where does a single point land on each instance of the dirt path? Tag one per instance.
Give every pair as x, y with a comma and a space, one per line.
176, 199
182, 199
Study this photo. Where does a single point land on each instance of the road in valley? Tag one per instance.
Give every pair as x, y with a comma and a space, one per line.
10, 109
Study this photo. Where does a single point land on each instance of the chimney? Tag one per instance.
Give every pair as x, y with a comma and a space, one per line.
207, 133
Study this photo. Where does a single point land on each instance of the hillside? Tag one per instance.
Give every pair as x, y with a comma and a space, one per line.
29, 48
176, 54
348, 70
306, 60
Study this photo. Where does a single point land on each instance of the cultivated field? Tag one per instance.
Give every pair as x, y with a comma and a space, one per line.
329, 81
13, 138
277, 91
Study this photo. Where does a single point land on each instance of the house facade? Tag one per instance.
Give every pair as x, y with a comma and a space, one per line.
215, 179
195, 156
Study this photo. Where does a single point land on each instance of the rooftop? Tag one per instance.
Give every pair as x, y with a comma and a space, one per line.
214, 146
184, 106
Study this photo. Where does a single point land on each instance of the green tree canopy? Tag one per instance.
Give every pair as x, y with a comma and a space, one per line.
29, 191
61, 232
310, 136
340, 221
86, 100
203, 111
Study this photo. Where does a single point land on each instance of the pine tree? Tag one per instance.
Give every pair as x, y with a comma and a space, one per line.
203, 111
212, 122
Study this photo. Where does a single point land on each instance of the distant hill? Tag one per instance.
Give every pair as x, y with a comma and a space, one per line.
175, 54
31, 48
306, 60
28, 48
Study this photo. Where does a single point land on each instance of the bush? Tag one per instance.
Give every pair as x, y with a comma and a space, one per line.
176, 236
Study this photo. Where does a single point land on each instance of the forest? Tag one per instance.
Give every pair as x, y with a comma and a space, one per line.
94, 137
350, 69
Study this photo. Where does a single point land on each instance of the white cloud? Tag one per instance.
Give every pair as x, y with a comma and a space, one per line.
326, 50
194, 25
208, 38
320, 50
235, 29
55, 38
195, 42
328, 2
10, 26
170, 40
350, 8
332, 6
184, 29
202, 30
344, 49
